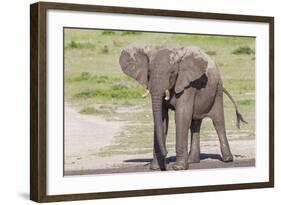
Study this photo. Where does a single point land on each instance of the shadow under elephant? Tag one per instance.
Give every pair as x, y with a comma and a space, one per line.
172, 159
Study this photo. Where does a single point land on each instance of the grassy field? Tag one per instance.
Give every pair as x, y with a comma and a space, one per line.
95, 83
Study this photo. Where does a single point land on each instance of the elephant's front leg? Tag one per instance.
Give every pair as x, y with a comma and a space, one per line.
183, 117
157, 157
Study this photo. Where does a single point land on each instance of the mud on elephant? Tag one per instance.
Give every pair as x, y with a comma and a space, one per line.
187, 81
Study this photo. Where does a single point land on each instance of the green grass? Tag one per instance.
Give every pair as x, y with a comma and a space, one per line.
91, 111
239, 86
95, 83
86, 76
108, 32
101, 110
130, 33
104, 50
246, 102
77, 45
114, 92
211, 53
243, 51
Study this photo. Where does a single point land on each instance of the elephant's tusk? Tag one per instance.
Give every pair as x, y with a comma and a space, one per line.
145, 94
167, 95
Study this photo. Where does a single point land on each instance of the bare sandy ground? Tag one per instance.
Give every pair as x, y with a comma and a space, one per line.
86, 134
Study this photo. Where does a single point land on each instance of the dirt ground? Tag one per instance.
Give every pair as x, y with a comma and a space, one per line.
86, 134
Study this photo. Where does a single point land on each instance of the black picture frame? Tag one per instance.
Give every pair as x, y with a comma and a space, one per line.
38, 100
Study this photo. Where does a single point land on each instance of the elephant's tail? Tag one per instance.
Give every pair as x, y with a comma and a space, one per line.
238, 115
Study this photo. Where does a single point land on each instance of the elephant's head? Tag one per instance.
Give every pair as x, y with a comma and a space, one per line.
163, 70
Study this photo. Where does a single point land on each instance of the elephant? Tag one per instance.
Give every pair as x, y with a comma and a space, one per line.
187, 81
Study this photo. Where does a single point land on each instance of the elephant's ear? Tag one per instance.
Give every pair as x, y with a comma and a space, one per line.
193, 64
134, 62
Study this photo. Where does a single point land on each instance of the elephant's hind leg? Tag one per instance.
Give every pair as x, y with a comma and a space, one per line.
194, 154
217, 116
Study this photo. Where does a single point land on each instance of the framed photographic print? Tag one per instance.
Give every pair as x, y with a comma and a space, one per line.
135, 102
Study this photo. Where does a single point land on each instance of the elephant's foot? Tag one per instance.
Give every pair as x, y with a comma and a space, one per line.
227, 158
180, 164
226, 154
194, 158
154, 165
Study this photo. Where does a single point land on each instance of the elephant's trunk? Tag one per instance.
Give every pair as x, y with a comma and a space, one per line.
158, 122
